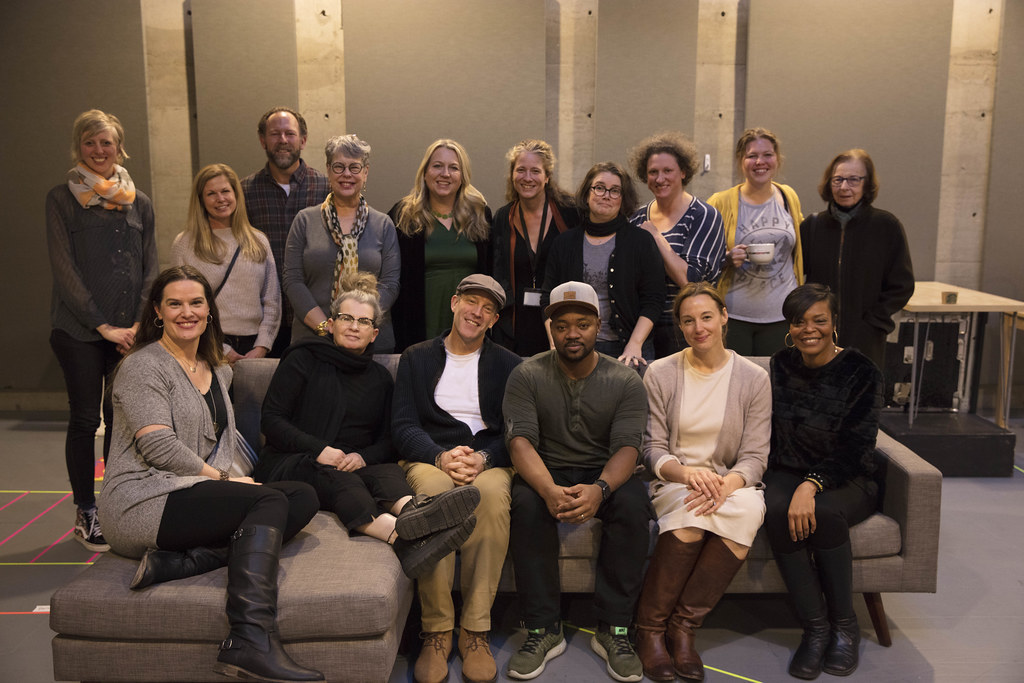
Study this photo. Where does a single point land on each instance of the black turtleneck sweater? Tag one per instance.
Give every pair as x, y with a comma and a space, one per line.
322, 395
636, 273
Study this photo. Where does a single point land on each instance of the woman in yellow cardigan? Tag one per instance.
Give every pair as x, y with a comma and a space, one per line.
759, 211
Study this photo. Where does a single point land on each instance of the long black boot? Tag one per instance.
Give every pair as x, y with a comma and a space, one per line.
835, 566
253, 649
805, 590
157, 566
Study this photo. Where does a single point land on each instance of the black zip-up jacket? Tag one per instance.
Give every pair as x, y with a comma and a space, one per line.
867, 264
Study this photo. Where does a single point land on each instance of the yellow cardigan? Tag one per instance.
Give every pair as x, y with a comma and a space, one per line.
728, 204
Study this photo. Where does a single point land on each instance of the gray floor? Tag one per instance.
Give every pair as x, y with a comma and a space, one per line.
971, 630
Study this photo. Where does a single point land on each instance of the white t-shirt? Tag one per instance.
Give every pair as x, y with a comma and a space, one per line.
458, 391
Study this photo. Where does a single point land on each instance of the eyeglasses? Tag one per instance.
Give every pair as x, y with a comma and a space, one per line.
362, 323
353, 168
601, 191
852, 181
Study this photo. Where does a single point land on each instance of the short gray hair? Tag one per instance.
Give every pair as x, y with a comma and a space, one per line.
347, 145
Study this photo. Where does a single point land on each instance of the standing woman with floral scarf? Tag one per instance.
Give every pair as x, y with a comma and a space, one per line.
342, 235
102, 246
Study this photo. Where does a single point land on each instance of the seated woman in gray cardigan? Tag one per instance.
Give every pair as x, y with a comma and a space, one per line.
168, 495
327, 421
707, 443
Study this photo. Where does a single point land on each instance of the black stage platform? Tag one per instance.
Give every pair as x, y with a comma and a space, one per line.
958, 444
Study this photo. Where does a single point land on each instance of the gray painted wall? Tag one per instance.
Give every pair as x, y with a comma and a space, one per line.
826, 77
53, 71
419, 71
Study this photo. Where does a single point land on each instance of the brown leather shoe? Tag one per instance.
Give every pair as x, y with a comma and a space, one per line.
477, 661
432, 664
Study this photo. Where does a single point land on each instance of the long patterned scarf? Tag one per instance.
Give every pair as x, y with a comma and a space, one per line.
348, 245
116, 193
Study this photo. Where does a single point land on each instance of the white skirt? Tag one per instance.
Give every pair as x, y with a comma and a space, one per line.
738, 519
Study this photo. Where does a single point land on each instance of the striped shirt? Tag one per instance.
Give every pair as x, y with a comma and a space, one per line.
698, 239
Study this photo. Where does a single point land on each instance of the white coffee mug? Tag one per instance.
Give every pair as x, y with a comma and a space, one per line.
760, 254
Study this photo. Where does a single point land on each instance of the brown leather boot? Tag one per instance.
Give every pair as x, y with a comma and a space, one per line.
477, 661
711, 576
432, 664
670, 567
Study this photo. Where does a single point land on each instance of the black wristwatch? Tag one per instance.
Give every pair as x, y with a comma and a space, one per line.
606, 490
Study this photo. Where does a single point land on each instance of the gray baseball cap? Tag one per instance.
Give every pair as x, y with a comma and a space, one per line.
573, 294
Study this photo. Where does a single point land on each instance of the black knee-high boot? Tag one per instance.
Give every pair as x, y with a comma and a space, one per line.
802, 582
835, 566
253, 649
157, 566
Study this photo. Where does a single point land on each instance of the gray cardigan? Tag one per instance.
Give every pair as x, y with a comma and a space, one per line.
152, 388
745, 438
309, 258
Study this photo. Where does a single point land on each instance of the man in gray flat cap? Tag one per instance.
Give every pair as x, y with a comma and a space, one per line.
448, 428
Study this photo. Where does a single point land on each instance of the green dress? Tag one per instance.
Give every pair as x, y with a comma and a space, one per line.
448, 257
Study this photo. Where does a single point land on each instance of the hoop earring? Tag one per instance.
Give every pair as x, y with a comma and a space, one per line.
159, 322
209, 318
788, 341
835, 336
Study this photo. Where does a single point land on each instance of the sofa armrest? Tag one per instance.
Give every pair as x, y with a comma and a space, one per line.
911, 494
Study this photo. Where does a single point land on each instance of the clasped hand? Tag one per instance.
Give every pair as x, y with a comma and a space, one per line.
462, 464
707, 490
573, 504
340, 460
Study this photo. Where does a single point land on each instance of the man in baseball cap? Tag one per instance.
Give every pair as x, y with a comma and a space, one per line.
575, 419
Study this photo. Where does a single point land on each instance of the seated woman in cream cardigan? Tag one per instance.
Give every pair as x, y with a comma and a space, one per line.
707, 443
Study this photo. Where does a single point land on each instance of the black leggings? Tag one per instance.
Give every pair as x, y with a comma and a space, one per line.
835, 511
208, 513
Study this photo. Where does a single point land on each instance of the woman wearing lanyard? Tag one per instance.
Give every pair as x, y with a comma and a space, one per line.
522, 233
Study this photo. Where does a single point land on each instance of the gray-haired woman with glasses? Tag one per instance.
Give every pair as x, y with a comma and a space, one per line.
620, 261
343, 235
860, 252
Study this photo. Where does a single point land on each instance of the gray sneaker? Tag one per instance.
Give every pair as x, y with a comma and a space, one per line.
540, 646
613, 646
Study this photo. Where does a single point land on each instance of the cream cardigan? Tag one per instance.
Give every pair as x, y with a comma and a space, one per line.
744, 440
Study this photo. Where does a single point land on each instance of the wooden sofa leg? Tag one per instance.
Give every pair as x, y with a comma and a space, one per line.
877, 611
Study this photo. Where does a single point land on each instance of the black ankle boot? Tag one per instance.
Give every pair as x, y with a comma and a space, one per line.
836, 569
805, 590
157, 566
253, 649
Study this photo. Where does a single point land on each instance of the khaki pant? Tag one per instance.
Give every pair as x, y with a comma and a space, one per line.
483, 555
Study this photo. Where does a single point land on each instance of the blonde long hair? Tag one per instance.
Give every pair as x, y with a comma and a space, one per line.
198, 231
414, 214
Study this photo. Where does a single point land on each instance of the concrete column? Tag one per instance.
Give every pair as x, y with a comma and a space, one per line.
320, 46
966, 147
719, 106
164, 26
572, 89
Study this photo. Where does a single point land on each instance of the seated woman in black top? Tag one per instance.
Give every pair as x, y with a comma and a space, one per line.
327, 421
825, 406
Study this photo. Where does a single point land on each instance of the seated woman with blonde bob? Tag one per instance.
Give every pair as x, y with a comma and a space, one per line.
707, 443
327, 420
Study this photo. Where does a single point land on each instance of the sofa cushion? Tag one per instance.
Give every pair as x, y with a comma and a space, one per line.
876, 536
331, 586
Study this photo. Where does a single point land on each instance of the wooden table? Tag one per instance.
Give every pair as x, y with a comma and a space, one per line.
928, 299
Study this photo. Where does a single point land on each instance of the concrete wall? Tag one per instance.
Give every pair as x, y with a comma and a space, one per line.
190, 80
